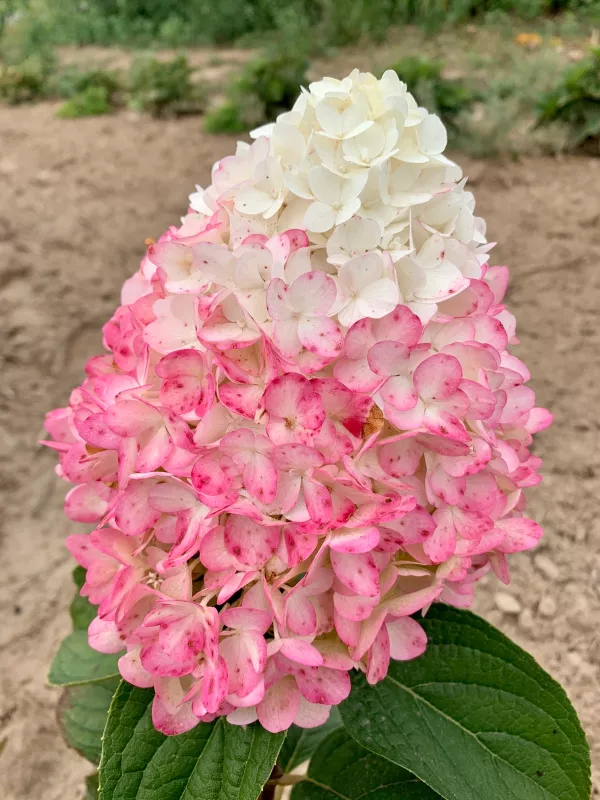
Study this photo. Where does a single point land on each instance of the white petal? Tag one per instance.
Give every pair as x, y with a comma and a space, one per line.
325, 185
360, 272
432, 135
319, 217
378, 299
252, 201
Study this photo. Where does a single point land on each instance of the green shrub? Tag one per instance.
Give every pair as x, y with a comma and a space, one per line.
266, 87
172, 23
163, 88
71, 81
575, 102
23, 83
91, 102
438, 94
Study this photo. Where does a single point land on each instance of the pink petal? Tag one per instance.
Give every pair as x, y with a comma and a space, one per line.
213, 553
318, 501
311, 715
444, 424
400, 325
300, 614
301, 652
440, 545
133, 512
250, 543
406, 604
132, 671
482, 402
355, 607
169, 714
313, 293
356, 571
437, 377
521, 533
296, 457
399, 392
247, 619
401, 457
320, 335
356, 374
378, 657
132, 417
240, 399
88, 502
278, 300
415, 527
214, 685
104, 636
280, 705
253, 697
323, 685
407, 638
388, 358
355, 540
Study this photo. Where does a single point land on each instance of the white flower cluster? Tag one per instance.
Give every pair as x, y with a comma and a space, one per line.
359, 166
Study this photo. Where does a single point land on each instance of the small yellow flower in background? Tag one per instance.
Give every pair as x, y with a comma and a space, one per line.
530, 40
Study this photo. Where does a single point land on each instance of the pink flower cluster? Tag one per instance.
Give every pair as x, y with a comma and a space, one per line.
286, 452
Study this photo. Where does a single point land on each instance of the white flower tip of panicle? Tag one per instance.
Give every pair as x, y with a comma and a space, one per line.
357, 159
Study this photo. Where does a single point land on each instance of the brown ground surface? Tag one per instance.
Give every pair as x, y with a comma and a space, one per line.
77, 200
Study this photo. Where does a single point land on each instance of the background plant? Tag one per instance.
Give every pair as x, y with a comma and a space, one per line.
163, 88
447, 98
142, 23
266, 87
575, 102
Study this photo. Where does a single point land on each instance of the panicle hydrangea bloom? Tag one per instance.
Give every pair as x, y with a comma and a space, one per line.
308, 426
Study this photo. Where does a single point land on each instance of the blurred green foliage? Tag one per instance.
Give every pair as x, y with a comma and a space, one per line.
70, 80
142, 23
24, 82
447, 98
575, 103
90, 102
266, 87
163, 88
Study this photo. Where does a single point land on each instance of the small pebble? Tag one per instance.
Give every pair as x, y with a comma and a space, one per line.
574, 658
507, 603
526, 619
547, 606
547, 567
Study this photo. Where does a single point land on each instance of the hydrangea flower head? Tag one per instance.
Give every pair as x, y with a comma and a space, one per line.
307, 427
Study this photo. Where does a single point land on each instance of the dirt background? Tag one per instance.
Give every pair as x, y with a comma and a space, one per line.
76, 203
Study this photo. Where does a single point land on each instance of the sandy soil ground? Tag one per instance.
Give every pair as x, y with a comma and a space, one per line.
77, 200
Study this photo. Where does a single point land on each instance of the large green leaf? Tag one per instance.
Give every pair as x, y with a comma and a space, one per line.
476, 718
301, 743
82, 611
213, 761
77, 663
341, 768
82, 713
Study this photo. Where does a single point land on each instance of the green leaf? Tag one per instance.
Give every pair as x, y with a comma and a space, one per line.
341, 768
91, 787
76, 662
213, 761
82, 713
476, 718
301, 743
82, 611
